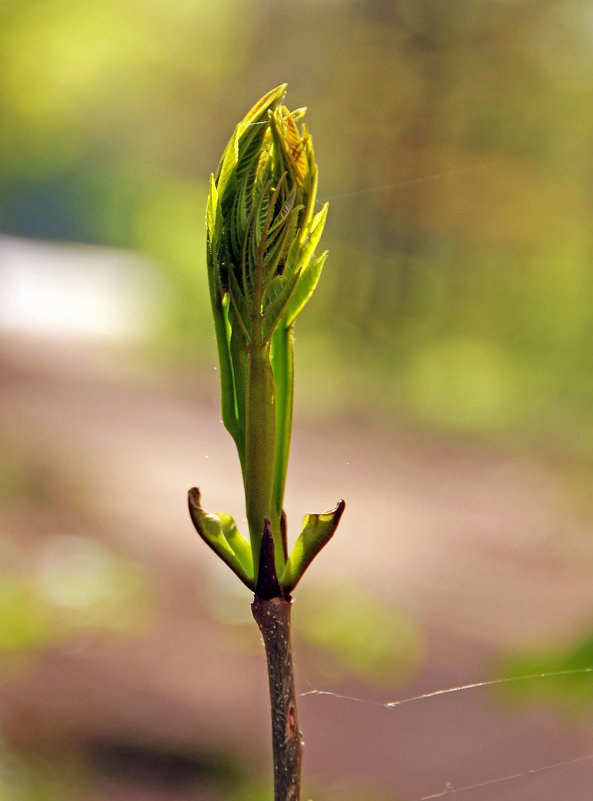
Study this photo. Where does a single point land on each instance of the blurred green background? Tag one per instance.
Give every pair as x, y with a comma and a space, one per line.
455, 145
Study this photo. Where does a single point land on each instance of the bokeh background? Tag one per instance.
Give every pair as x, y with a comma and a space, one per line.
444, 388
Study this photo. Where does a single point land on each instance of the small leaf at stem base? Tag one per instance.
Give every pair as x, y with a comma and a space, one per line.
221, 534
317, 531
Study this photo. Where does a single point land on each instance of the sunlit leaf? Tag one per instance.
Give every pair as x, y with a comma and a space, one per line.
318, 529
222, 535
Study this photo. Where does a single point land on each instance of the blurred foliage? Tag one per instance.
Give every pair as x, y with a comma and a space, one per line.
357, 635
455, 148
563, 676
67, 772
25, 777
57, 583
72, 585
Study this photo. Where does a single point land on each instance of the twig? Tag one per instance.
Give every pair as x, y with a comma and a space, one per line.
273, 618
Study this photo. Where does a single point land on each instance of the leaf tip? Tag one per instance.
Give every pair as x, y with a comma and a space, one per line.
193, 498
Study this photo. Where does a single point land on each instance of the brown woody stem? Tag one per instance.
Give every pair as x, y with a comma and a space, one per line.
273, 618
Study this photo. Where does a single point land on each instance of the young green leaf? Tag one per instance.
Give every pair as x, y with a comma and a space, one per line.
317, 532
305, 287
222, 535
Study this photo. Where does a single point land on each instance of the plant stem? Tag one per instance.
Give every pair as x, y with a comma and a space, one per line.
260, 444
273, 618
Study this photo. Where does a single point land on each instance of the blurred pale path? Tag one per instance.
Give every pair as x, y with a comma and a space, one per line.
76, 291
477, 545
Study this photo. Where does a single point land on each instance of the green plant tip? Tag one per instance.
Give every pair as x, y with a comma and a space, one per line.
262, 234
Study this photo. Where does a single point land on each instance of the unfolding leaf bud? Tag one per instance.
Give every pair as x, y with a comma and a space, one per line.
262, 229
262, 233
